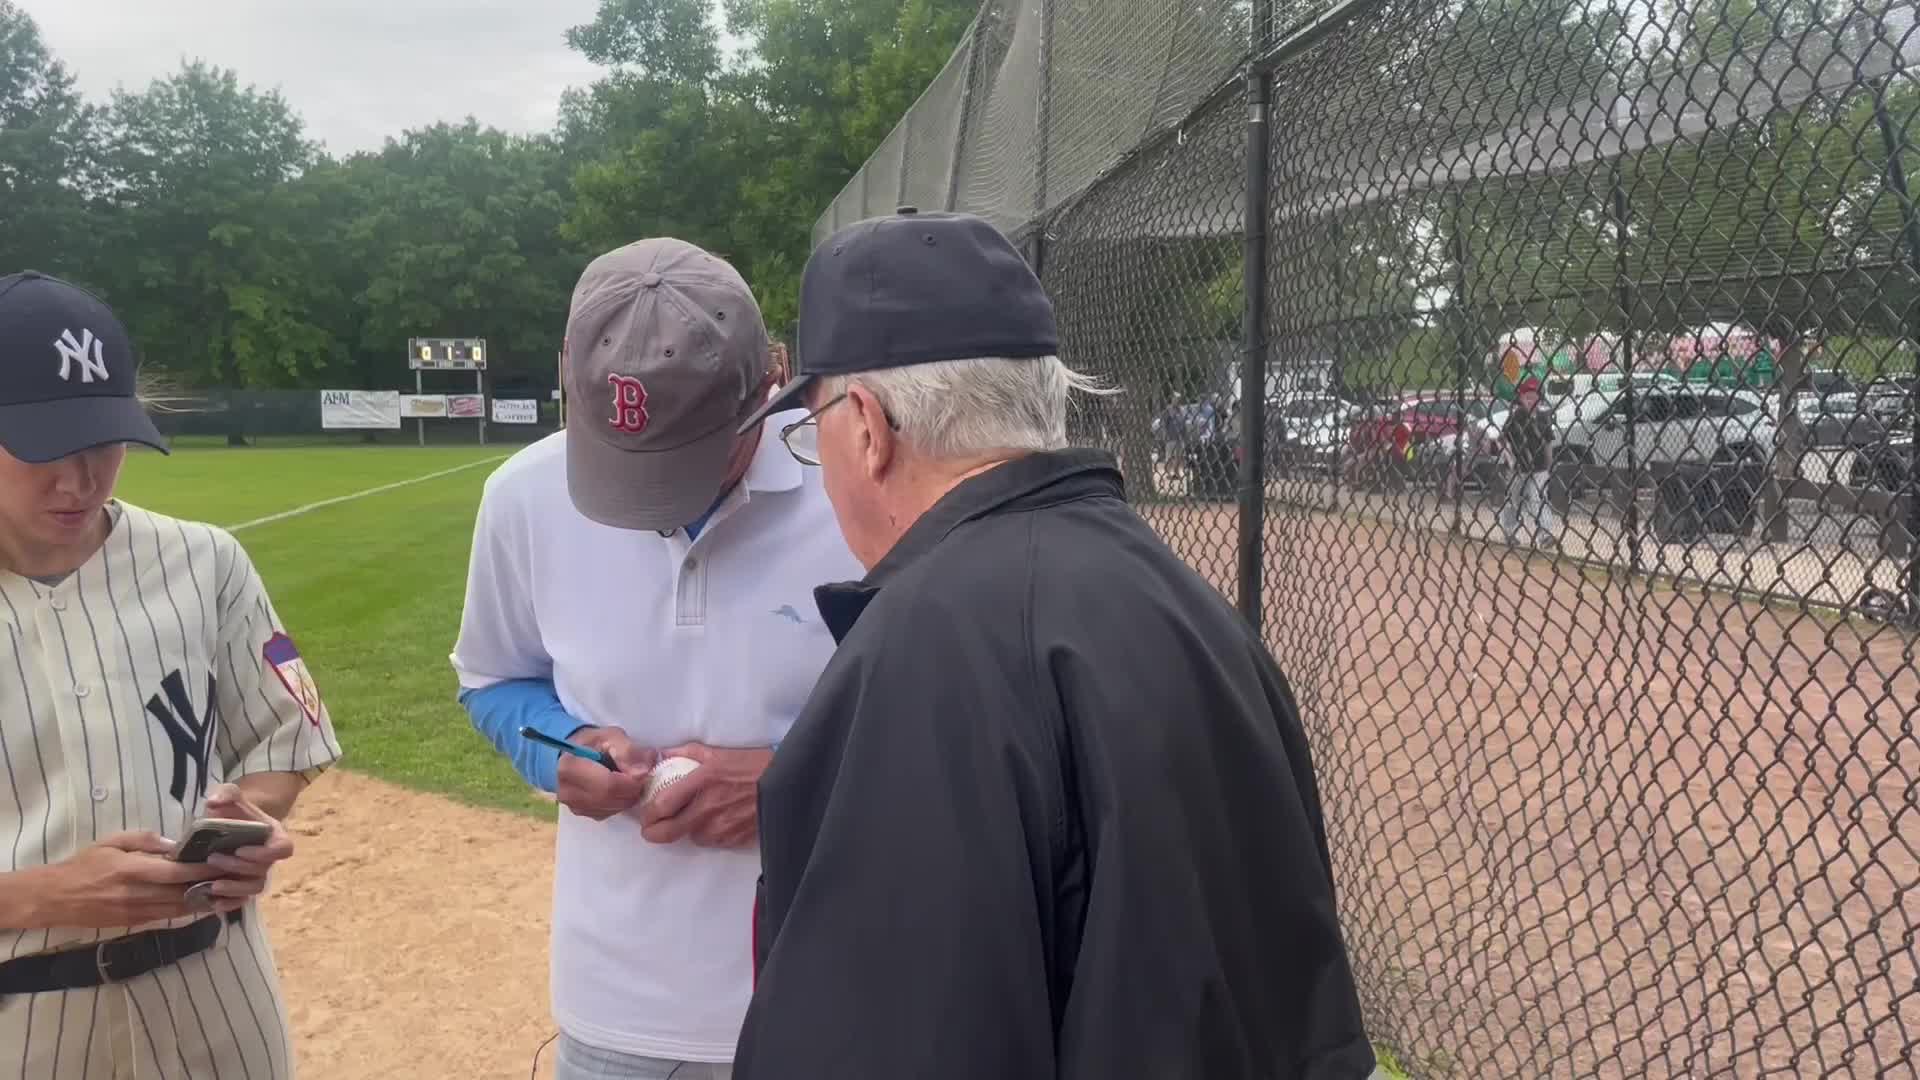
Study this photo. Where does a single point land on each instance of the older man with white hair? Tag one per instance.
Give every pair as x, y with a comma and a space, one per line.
1049, 811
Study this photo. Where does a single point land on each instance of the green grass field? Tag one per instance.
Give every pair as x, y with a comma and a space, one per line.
370, 588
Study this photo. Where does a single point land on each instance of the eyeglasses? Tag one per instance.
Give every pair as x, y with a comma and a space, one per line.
803, 436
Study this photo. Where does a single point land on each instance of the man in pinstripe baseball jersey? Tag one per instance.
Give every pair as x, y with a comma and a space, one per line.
144, 680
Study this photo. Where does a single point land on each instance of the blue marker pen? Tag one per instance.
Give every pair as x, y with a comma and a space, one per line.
565, 747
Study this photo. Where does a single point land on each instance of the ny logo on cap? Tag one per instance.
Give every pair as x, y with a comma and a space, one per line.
84, 351
629, 404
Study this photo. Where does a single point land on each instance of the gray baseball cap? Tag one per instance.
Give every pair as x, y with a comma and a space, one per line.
665, 355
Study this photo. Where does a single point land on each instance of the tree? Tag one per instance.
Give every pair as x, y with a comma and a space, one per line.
739, 157
47, 170
669, 40
455, 231
192, 168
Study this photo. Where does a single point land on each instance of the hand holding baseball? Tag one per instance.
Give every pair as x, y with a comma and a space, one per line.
715, 805
594, 791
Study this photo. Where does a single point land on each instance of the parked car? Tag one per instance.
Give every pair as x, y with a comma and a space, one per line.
1473, 455
1392, 439
1309, 431
1432, 437
1886, 467
1668, 426
1562, 388
1839, 421
1414, 418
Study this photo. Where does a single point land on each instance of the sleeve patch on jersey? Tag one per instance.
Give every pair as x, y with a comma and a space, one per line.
286, 662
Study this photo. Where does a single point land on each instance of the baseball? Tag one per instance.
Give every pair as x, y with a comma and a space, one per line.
666, 774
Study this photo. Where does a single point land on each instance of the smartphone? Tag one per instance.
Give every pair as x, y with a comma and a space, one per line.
220, 836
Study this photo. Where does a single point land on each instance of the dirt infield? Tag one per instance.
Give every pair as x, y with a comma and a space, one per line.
411, 935
1589, 826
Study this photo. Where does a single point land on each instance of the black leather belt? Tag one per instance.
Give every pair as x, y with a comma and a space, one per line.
111, 961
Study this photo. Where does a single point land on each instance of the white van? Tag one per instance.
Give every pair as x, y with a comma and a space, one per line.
1563, 388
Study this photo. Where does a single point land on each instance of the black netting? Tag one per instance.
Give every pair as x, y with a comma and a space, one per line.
1613, 697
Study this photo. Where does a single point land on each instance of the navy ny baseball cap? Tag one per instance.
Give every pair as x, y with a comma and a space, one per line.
914, 288
66, 372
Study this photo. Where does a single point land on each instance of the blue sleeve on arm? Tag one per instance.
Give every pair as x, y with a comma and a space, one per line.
501, 710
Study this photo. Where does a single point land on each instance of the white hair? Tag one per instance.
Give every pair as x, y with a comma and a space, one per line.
958, 409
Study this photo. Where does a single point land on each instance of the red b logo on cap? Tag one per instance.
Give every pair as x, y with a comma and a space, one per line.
629, 404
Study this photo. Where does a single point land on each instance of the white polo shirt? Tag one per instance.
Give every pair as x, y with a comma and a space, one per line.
714, 640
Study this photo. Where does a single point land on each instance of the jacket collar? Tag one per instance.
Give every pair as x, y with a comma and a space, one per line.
1046, 478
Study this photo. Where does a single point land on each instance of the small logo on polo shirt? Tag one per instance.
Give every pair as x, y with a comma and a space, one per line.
786, 611
84, 350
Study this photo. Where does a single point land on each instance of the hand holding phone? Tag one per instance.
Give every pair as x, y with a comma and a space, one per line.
216, 836
220, 836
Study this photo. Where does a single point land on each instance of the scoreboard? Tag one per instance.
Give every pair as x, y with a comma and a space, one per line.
447, 354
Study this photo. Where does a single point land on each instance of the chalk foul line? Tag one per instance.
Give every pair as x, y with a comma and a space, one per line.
338, 499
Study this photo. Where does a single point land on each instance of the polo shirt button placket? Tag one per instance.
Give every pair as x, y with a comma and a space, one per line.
690, 593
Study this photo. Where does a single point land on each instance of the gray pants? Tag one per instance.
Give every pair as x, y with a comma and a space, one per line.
1527, 497
578, 1061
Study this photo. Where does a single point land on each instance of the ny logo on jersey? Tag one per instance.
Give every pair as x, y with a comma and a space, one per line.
629, 404
85, 351
191, 736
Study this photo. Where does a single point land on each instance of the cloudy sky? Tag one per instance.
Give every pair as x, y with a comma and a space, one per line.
356, 70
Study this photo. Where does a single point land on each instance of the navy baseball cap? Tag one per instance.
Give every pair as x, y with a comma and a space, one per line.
914, 288
66, 372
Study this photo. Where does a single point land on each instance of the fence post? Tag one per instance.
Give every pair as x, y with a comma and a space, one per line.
906, 160
1790, 443
1044, 108
966, 108
1461, 306
1624, 296
1253, 367
1910, 228
1337, 382
1042, 122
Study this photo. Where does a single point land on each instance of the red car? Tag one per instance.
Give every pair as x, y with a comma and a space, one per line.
1414, 419
1419, 433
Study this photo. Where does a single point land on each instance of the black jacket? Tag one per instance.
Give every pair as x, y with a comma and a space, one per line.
1048, 813
1529, 435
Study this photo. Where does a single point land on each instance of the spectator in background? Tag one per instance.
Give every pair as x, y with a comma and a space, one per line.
1170, 430
1528, 435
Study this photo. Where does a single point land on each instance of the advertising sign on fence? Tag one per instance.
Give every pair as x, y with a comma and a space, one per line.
466, 406
512, 411
423, 406
359, 408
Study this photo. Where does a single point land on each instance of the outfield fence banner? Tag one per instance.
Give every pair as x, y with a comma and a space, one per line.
515, 411
423, 406
466, 406
360, 408
286, 417
1614, 702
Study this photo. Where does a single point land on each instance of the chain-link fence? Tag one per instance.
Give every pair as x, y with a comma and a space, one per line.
1563, 447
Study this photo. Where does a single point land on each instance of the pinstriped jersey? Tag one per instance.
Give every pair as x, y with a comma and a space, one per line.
127, 689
